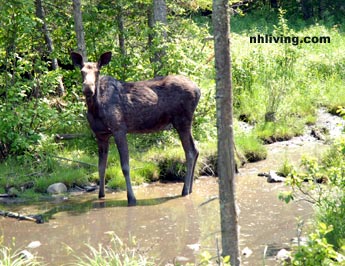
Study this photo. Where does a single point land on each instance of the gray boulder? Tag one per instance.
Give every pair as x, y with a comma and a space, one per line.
57, 188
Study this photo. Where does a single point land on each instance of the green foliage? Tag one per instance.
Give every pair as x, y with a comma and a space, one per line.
326, 241
283, 83
22, 124
116, 253
70, 177
287, 81
270, 132
286, 169
172, 165
318, 250
10, 256
206, 259
265, 83
250, 147
286, 196
141, 171
30, 108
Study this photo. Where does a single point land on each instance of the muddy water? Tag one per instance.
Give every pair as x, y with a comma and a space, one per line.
267, 224
165, 225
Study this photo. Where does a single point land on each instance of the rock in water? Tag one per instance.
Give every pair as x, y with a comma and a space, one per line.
283, 255
26, 255
274, 178
246, 252
12, 192
57, 188
34, 244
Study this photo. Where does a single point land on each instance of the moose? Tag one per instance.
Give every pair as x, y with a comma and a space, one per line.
116, 108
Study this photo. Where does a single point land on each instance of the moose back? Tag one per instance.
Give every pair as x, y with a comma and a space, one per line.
116, 108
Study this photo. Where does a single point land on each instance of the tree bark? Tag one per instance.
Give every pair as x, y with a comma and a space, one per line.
121, 39
274, 3
55, 66
160, 11
307, 9
79, 28
157, 15
322, 6
226, 162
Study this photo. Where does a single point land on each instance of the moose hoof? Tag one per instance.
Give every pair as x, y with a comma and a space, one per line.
132, 202
101, 195
185, 192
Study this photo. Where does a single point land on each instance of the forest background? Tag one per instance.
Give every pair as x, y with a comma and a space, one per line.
278, 88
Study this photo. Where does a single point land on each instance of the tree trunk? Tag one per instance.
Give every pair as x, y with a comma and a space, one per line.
122, 40
322, 5
160, 11
41, 15
307, 9
274, 4
157, 15
226, 162
79, 29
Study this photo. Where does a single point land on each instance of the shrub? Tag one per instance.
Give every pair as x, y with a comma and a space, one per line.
324, 188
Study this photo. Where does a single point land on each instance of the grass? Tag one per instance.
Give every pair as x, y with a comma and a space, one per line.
13, 257
290, 82
75, 167
250, 147
286, 168
327, 232
116, 253
271, 132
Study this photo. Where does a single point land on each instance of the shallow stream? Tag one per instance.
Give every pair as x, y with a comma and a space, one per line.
166, 225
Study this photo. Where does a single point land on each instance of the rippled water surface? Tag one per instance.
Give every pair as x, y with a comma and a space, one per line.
167, 226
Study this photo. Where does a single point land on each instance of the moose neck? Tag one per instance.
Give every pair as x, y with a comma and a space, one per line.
92, 101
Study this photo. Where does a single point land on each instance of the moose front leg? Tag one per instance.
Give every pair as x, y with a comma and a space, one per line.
122, 146
103, 147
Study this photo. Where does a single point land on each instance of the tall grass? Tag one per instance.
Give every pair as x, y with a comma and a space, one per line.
15, 257
115, 254
283, 83
277, 88
326, 236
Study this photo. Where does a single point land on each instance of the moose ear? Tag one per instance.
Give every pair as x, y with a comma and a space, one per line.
104, 59
77, 59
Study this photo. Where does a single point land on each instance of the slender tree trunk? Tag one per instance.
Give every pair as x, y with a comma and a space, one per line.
122, 40
322, 5
79, 28
226, 162
160, 11
151, 24
274, 4
307, 9
157, 15
55, 66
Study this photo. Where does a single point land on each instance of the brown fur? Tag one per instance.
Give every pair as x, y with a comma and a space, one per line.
116, 108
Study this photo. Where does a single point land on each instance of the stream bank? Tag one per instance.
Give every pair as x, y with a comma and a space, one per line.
169, 227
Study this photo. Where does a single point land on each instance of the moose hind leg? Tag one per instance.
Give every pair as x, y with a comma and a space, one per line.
122, 146
191, 154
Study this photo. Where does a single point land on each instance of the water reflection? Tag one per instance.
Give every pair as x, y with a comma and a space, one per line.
77, 208
165, 224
